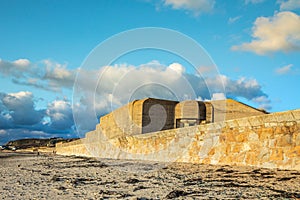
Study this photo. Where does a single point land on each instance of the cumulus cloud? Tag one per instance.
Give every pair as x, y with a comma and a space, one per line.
289, 4
16, 68
102, 90
47, 75
60, 113
284, 70
196, 6
121, 83
243, 87
19, 117
57, 75
124, 83
280, 32
5, 120
21, 108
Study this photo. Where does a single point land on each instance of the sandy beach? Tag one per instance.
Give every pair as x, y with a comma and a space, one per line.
47, 176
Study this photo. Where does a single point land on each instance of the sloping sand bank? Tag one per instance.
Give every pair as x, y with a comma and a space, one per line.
32, 176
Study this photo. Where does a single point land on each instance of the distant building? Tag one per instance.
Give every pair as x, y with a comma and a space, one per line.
151, 115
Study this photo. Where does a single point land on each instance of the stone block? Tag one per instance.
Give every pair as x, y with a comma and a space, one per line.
276, 154
264, 155
284, 117
270, 124
278, 130
255, 146
265, 133
241, 137
228, 159
291, 124
253, 136
241, 129
255, 121
231, 124
284, 141
243, 122
222, 138
230, 137
296, 114
240, 157
251, 158
228, 149
246, 147
293, 152
294, 128
296, 138
265, 143
211, 152
269, 118
237, 148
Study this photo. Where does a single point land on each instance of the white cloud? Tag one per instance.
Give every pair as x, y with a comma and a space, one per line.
21, 108
178, 68
20, 117
60, 113
134, 77
243, 87
127, 82
218, 96
122, 81
16, 68
45, 75
289, 4
57, 75
117, 85
263, 101
284, 70
278, 33
196, 6
22, 62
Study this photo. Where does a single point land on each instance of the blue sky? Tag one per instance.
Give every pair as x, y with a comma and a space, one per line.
254, 44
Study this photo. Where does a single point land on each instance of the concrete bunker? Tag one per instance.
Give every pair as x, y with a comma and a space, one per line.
189, 113
152, 115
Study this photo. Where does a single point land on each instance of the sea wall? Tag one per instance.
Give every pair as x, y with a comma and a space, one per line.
271, 141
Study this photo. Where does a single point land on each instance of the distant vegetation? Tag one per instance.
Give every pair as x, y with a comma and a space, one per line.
35, 142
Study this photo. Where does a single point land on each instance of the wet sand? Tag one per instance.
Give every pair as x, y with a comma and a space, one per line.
46, 176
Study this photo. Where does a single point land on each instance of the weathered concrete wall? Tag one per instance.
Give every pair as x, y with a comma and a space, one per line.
126, 120
271, 141
230, 109
209, 112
